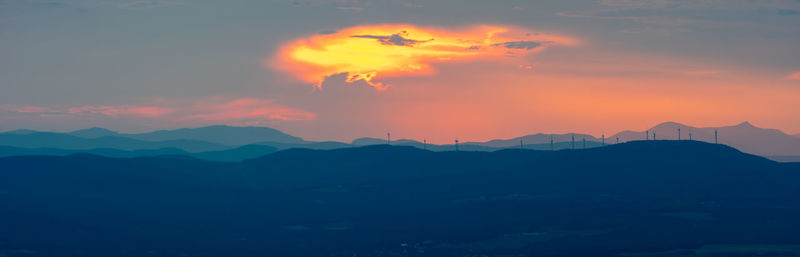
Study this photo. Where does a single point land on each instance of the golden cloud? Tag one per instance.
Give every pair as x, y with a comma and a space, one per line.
369, 52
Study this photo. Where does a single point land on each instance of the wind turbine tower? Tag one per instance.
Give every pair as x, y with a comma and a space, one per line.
456, 144
647, 135
573, 141
424, 143
715, 137
604, 139
679, 133
388, 138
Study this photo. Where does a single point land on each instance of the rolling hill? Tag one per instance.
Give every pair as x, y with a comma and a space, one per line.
644, 198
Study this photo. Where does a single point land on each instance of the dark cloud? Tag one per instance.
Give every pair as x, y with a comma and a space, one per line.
527, 45
395, 39
326, 32
788, 12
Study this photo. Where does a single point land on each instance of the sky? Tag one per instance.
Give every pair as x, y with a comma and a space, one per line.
344, 69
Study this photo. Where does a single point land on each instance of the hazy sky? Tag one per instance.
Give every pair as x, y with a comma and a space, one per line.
342, 69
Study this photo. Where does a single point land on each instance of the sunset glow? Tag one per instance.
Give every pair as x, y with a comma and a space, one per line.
344, 69
367, 53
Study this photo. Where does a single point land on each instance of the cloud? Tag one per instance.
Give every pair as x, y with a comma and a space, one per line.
788, 12
207, 111
120, 110
527, 45
366, 53
794, 76
242, 109
394, 39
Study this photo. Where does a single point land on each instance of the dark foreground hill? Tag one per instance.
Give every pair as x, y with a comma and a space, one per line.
646, 198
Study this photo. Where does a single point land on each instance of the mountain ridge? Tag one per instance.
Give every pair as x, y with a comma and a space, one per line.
744, 136
304, 202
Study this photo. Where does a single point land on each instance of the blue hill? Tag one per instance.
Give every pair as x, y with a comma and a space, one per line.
643, 198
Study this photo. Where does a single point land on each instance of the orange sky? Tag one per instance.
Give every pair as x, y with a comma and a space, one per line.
507, 92
339, 70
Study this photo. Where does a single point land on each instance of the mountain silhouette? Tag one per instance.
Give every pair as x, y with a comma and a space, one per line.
236, 154
224, 135
366, 141
20, 132
107, 152
228, 155
64, 141
643, 198
219, 134
94, 132
531, 142
326, 145
744, 136
544, 139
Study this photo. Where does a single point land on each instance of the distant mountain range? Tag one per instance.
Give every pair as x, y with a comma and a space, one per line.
223, 135
68, 141
228, 155
745, 137
227, 139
